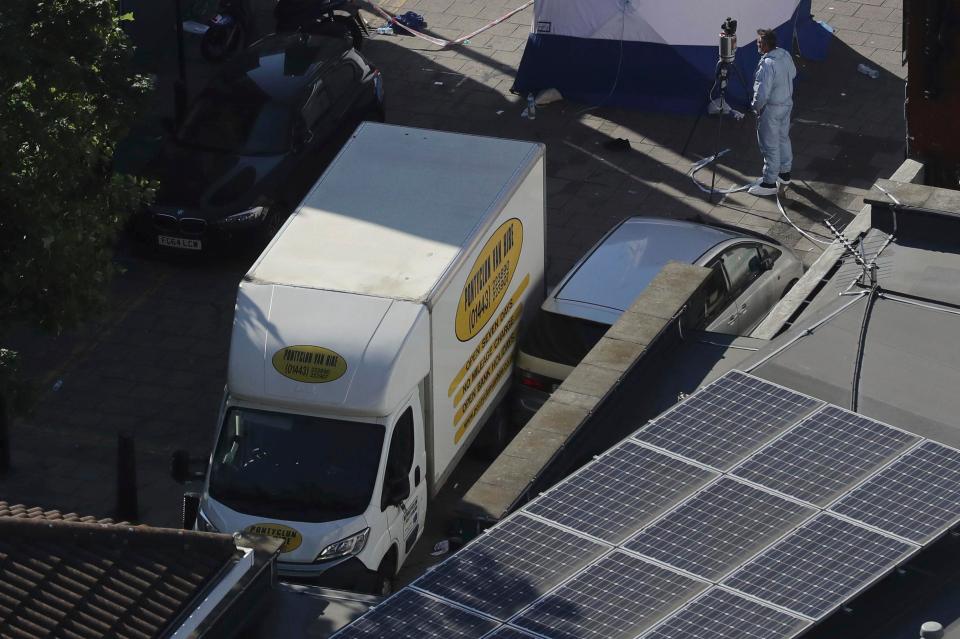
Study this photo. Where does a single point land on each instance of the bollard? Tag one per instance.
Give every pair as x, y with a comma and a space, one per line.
931, 630
127, 509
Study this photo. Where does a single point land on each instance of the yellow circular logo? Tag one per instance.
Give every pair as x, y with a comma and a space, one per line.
489, 279
309, 364
291, 538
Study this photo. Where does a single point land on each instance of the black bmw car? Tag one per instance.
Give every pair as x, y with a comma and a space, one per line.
256, 138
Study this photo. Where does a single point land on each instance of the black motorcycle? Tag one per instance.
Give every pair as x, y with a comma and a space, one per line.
226, 32
323, 17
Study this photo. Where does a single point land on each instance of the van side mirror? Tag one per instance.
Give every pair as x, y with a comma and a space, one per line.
180, 467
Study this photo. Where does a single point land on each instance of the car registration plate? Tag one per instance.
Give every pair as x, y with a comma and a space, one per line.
179, 242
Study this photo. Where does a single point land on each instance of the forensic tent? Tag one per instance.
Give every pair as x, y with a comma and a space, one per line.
655, 54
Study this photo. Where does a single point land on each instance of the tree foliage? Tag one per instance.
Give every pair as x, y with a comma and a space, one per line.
68, 95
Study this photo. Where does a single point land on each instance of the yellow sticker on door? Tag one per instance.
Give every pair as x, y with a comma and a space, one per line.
489, 279
290, 537
309, 364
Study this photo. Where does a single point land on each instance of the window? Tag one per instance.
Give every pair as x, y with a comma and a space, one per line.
742, 265
770, 253
317, 106
715, 294
400, 457
287, 466
340, 79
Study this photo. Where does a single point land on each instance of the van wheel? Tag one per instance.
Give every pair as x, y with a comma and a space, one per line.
383, 586
496, 433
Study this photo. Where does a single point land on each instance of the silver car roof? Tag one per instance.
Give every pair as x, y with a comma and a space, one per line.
620, 266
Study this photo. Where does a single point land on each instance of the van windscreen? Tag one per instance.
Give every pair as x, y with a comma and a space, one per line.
295, 467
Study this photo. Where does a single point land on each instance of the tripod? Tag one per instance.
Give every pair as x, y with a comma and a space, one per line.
721, 81
723, 75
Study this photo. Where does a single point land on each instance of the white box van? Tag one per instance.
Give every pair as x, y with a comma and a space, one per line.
372, 339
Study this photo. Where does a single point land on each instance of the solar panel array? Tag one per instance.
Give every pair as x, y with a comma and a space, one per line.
727, 420
621, 492
825, 455
746, 511
715, 531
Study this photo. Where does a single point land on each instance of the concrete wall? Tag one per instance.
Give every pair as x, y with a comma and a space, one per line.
603, 400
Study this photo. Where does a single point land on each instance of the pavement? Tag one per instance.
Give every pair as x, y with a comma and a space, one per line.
154, 364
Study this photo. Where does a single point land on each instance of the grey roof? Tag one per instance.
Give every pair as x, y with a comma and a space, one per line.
911, 363
910, 368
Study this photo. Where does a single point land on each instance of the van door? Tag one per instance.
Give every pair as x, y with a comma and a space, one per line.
405, 463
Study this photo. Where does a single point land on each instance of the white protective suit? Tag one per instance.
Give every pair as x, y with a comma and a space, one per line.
773, 104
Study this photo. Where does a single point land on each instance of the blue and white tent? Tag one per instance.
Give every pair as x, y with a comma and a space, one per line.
654, 54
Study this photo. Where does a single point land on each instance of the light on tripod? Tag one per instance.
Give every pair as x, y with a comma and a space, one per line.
728, 41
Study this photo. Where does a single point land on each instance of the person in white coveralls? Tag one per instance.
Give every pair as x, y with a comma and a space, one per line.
773, 104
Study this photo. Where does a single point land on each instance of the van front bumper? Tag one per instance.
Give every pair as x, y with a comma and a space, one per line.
346, 574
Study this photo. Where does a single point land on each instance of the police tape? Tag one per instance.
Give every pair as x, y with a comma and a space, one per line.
439, 41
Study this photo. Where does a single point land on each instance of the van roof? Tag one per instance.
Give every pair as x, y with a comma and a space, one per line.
394, 211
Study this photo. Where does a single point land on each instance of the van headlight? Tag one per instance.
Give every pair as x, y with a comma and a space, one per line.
348, 547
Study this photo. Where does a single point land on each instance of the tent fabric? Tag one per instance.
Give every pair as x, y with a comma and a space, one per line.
653, 54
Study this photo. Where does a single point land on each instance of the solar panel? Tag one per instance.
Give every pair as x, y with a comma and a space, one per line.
818, 567
618, 597
719, 528
411, 615
720, 614
510, 566
825, 455
506, 632
727, 420
916, 497
620, 492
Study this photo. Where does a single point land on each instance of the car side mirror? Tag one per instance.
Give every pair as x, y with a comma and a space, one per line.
180, 467
766, 264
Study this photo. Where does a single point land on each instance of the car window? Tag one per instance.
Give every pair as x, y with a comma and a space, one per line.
341, 79
317, 106
742, 266
770, 253
561, 338
715, 294
237, 118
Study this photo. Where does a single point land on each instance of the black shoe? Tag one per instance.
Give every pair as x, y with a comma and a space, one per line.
784, 178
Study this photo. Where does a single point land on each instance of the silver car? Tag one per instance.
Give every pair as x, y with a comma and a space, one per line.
751, 272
